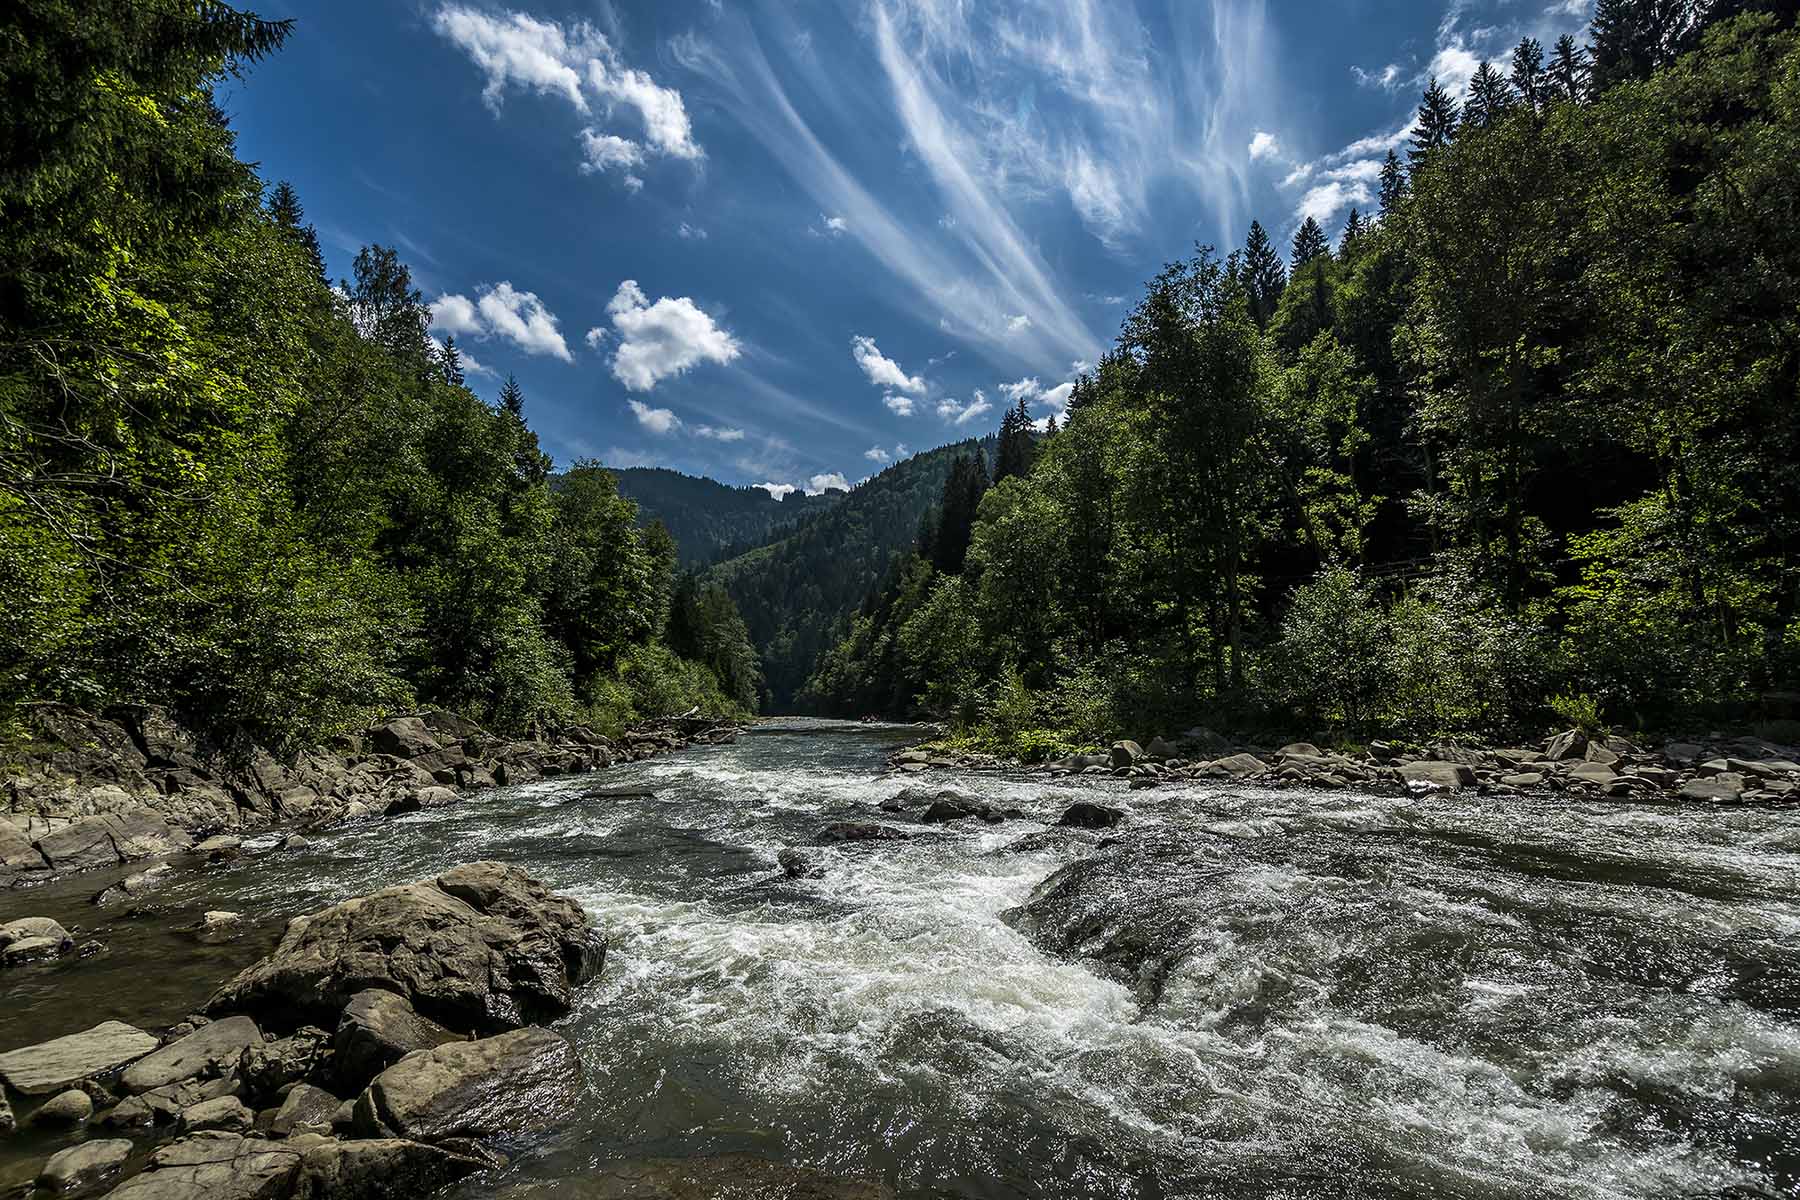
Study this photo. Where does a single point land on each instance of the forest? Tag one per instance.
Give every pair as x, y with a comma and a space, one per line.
230, 486
1522, 448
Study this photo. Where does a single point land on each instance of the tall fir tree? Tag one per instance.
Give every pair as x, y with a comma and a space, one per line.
1569, 71
963, 491
1438, 118
453, 368
1489, 98
512, 397
1354, 228
1632, 38
286, 212
1528, 78
1013, 455
1393, 183
1310, 244
1264, 274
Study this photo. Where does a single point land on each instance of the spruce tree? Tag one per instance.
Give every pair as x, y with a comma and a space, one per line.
1633, 38
1310, 244
1264, 275
453, 369
1489, 98
1393, 183
1438, 118
1528, 78
1569, 72
512, 397
1051, 429
290, 217
1354, 229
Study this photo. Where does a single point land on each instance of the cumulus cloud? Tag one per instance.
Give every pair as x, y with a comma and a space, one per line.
962, 414
829, 226
1264, 145
505, 312
883, 371
692, 233
657, 341
596, 337
1024, 389
718, 434
780, 491
900, 406
877, 454
832, 481
1018, 323
656, 420
579, 64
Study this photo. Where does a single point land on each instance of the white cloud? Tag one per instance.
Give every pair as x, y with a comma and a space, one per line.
656, 420
1058, 396
829, 226
502, 311
469, 365
663, 339
604, 152
962, 414
877, 454
833, 481
883, 371
1024, 389
1264, 145
634, 184
692, 233
719, 434
666, 124
1386, 78
780, 491
900, 406
1018, 324
596, 337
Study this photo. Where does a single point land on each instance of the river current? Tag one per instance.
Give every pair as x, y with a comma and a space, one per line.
1262, 994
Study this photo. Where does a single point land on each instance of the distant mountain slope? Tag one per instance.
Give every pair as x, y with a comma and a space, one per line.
795, 592
709, 518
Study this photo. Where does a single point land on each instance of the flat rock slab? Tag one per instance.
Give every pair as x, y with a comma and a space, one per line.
211, 1046
517, 1083
55, 1065
1454, 776
84, 1168
215, 1166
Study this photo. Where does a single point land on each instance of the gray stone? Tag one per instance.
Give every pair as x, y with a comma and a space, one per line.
226, 1112
1595, 773
858, 831
1563, 746
21, 929
1453, 776
1597, 753
133, 886
1084, 814
1126, 753
1523, 779
1304, 749
266, 1068
1720, 789
35, 949
54, 1065
380, 1169
109, 838
404, 737
482, 947
377, 1030
205, 1051
304, 1107
220, 847
72, 1107
216, 1166
518, 1082
1684, 753
1242, 766
84, 1168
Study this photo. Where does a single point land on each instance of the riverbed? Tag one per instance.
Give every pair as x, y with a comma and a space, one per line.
1371, 997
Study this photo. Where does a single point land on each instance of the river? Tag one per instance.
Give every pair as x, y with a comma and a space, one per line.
1253, 994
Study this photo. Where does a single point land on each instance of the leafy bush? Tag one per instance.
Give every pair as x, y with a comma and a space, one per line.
1335, 660
1577, 712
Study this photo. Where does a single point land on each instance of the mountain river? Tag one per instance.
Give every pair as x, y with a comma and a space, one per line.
1236, 993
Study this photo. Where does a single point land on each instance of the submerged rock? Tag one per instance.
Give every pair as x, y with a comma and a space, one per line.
482, 947
84, 1168
1084, 814
55, 1065
858, 831
516, 1083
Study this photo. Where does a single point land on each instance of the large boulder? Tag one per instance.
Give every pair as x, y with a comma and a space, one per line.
517, 1083
84, 1168
1448, 775
54, 1066
483, 947
215, 1166
1085, 814
33, 939
377, 1030
380, 1169
405, 737
106, 839
304, 1107
207, 1051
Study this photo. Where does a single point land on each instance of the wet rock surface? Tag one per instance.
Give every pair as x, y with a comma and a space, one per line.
55, 1065
500, 1087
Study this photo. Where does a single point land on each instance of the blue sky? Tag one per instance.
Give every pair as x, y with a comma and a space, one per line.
784, 242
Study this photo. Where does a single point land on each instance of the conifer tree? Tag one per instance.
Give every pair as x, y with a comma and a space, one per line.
1310, 243
1354, 229
1489, 98
286, 212
1013, 456
512, 397
453, 368
1051, 429
1528, 78
1393, 183
1264, 275
1438, 118
1632, 38
1569, 71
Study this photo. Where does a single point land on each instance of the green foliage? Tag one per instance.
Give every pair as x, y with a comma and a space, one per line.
1577, 712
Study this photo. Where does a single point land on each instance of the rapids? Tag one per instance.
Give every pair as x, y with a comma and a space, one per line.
1240, 993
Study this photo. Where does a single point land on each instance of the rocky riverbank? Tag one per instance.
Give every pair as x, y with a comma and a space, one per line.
1716, 770
89, 791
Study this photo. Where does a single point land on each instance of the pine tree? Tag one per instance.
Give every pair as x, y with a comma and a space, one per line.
1438, 118
1264, 275
1393, 183
290, 217
1528, 78
453, 369
956, 514
1569, 73
1489, 98
512, 397
1310, 243
1633, 38
1016, 449
1354, 229
1051, 429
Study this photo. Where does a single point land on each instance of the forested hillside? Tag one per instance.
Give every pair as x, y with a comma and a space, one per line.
708, 518
795, 592
227, 486
1523, 447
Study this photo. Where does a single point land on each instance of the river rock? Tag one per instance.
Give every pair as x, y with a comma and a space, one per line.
105, 839
305, 1107
716, 1177
858, 831
136, 885
1720, 789
1449, 775
377, 1030
205, 1051
84, 1168
55, 1065
1596, 773
1523, 779
1572, 744
23, 929
520, 1082
8, 1122
1084, 814
482, 947
72, 1107
404, 737
379, 1169
224, 1112
215, 1166
1125, 754
266, 1067
1241, 766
